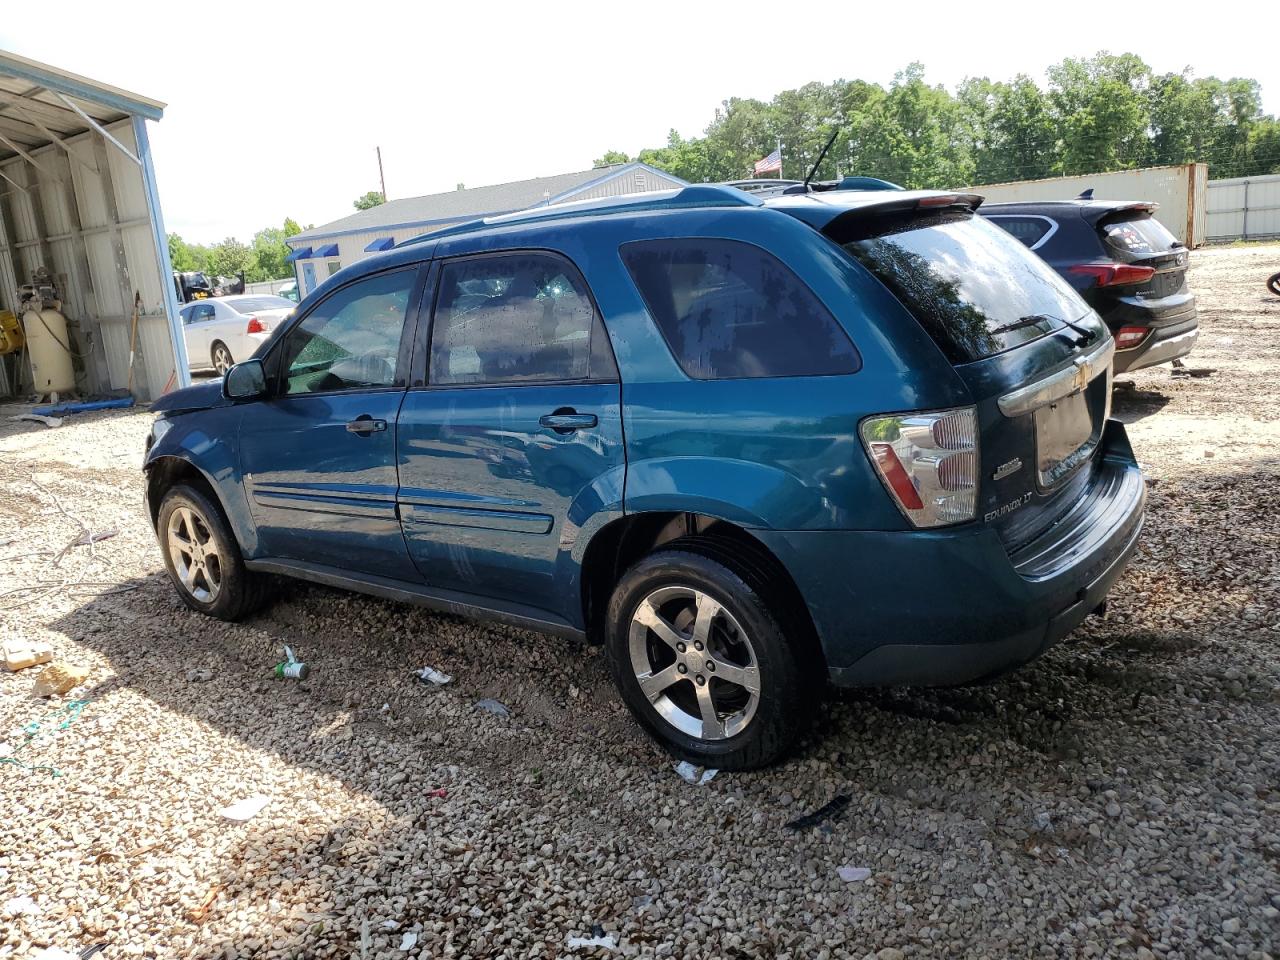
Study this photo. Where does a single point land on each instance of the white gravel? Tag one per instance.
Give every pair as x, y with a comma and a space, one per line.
1119, 798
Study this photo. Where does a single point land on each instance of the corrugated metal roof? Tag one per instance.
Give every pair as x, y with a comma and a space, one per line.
470, 203
32, 112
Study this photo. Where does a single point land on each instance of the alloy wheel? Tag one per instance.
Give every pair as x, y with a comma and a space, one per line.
694, 662
222, 361
195, 554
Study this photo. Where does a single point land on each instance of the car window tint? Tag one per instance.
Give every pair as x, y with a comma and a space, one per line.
516, 318
1030, 230
351, 340
250, 304
1139, 236
729, 310
975, 289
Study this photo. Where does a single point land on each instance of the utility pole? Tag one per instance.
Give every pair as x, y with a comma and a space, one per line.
381, 179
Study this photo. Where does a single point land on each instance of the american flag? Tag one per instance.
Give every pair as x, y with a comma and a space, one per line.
770, 164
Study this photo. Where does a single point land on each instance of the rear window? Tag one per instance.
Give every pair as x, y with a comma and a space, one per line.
976, 289
249, 304
730, 310
1140, 236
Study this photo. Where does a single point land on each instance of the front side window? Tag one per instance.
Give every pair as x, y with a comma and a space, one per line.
728, 310
516, 318
351, 340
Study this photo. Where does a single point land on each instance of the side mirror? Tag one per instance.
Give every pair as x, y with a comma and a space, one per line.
245, 381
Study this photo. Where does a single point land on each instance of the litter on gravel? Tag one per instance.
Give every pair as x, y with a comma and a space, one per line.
695, 775
245, 809
408, 941
432, 676
827, 811
853, 874
21, 906
607, 942
494, 707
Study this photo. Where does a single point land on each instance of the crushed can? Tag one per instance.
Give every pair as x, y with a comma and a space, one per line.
291, 668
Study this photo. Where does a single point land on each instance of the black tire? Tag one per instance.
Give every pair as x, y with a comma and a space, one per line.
790, 665
1274, 284
240, 591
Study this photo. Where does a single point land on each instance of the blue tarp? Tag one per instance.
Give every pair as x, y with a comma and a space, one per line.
328, 250
382, 243
300, 254
83, 406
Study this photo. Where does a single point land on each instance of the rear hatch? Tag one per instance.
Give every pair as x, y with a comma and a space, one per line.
1035, 357
1151, 263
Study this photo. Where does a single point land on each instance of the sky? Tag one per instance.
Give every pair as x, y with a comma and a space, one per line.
275, 110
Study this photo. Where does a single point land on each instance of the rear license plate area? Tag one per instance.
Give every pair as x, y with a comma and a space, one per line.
1065, 438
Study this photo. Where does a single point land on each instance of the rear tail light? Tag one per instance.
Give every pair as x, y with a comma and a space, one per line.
1129, 337
255, 326
928, 461
1113, 274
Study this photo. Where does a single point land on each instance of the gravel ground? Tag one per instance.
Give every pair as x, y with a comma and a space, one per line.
1119, 798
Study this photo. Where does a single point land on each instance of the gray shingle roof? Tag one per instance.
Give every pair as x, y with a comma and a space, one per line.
460, 204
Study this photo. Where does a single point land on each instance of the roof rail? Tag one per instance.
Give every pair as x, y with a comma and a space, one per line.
699, 195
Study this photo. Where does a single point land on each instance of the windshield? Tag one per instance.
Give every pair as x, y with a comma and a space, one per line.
249, 304
977, 290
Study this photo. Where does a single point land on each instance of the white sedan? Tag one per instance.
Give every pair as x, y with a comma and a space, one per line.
225, 330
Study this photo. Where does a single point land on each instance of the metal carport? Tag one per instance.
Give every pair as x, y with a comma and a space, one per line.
78, 196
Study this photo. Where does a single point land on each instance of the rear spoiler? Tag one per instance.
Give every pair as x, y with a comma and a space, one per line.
1096, 212
826, 210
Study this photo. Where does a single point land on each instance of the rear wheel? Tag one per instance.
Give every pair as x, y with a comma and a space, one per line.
704, 661
202, 557
1274, 284
222, 361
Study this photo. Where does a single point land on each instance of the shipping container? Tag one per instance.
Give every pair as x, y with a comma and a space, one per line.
1179, 190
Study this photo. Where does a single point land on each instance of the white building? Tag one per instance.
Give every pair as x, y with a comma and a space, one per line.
322, 251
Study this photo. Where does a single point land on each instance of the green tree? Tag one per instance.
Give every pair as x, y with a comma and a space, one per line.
180, 254
370, 200
610, 158
229, 258
269, 251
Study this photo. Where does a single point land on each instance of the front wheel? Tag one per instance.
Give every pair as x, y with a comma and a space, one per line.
202, 557
1274, 284
704, 661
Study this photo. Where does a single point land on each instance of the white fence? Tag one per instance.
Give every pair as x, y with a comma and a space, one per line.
1244, 208
267, 286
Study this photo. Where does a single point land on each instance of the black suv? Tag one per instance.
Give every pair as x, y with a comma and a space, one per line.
1124, 263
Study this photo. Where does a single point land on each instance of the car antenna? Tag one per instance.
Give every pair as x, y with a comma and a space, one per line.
1086, 195
814, 168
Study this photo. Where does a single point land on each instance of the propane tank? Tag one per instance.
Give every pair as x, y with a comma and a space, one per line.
48, 341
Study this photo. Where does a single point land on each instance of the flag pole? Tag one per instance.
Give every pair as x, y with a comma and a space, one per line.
779, 158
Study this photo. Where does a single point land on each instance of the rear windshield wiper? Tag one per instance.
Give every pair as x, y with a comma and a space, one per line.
1028, 321
1031, 319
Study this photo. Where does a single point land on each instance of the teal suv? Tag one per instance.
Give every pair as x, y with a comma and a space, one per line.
753, 448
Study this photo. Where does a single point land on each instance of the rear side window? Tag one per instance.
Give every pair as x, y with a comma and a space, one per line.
516, 318
1140, 236
973, 287
1029, 230
730, 310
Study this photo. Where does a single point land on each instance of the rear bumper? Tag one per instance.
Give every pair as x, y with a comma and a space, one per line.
938, 608
1160, 347
1174, 330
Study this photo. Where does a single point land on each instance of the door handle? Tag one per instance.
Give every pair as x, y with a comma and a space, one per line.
365, 425
567, 421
